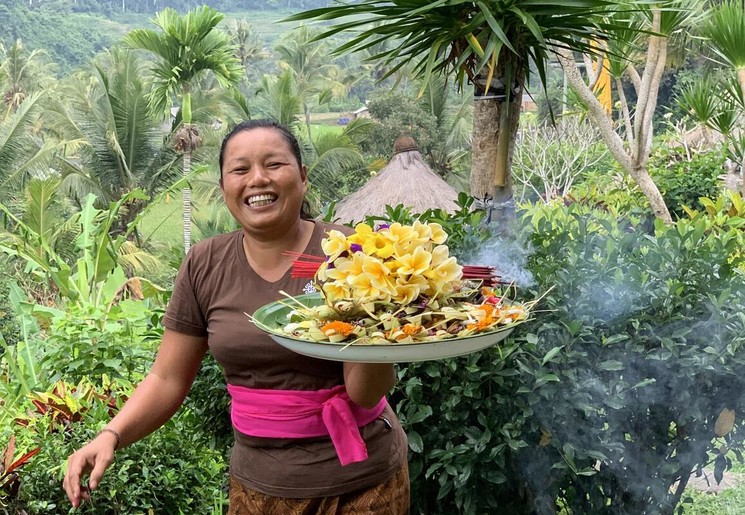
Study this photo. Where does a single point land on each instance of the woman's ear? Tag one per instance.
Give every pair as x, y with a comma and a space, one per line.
304, 174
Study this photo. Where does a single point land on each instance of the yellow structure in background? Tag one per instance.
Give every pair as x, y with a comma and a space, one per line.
603, 85
603, 89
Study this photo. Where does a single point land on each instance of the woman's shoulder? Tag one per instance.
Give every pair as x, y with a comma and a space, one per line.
214, 247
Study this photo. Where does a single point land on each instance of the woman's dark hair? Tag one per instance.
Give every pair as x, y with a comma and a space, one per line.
286, 135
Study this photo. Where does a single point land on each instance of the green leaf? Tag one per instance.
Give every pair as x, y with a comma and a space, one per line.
611, 365
551, 354
546, 378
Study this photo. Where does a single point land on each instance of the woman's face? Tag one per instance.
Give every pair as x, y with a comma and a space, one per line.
262, 183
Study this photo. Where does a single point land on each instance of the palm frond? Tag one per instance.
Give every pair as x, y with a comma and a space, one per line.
725, 29
136, 259
468, 39
43, 212
696, 100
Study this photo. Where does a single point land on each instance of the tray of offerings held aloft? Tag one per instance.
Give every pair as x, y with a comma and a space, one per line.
391, 295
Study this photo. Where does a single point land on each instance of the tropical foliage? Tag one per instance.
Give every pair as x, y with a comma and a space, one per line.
609, 401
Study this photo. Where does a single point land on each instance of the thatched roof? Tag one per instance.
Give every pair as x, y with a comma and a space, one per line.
407, 180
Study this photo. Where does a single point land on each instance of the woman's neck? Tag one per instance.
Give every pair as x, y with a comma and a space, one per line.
265, 255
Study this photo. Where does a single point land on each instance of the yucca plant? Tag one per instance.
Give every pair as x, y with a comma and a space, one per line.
186, 47
704, 109
490, 44
725, 30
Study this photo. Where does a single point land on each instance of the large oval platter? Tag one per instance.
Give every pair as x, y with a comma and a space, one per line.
274, 316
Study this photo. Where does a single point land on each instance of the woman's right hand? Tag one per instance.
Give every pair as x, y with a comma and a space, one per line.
92, 459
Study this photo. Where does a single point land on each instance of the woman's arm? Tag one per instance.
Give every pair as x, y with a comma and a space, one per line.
367, 382
152, 403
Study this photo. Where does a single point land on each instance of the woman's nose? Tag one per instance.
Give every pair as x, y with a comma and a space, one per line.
258, 175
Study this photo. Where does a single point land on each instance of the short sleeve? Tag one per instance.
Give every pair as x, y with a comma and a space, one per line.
183, 313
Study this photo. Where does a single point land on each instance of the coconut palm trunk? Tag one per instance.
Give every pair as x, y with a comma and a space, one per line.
186, 197
494, 120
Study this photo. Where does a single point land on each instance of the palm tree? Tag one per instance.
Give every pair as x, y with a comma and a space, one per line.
314, 73
22, 73
22, 155
248, 46
185, 48
489, 44
725, 31
120, 143
278, 98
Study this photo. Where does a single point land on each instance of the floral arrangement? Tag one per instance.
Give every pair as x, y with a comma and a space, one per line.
397, 284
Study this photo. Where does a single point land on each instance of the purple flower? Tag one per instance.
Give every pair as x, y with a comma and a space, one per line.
383, 226
355, 247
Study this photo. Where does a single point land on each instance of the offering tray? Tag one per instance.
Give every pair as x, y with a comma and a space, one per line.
273, 317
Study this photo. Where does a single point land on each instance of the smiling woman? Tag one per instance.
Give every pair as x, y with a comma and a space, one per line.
345, 444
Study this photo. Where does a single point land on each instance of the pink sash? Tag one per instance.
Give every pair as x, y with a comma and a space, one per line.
304, 414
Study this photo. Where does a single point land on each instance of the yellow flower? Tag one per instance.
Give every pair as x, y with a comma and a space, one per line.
406, 293
379, 245
334, 245
346, 268
334, 291
401, 236
365, 288
438, 234
377, 269
443, 277
361, 233
414, 264
422, 231
407, 289
440, 254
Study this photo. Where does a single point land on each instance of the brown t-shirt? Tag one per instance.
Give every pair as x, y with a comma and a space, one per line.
214, 289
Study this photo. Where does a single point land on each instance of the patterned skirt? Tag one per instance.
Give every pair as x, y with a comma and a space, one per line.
388, 498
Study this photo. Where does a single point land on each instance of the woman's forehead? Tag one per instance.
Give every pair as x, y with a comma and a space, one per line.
258, 141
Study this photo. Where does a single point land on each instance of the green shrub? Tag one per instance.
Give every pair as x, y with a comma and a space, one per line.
682, 181
610, 395
88, 341
10, 329
174, 470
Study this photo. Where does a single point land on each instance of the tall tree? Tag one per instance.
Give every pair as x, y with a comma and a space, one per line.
247, 43
650, 25
491, 44
186, 47
278, 98
22, 73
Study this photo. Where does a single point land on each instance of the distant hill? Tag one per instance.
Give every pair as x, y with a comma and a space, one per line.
73, 31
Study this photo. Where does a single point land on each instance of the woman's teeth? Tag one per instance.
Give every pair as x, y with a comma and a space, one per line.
261, 200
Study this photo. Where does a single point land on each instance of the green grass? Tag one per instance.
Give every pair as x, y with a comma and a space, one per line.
727, 502
163, 222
